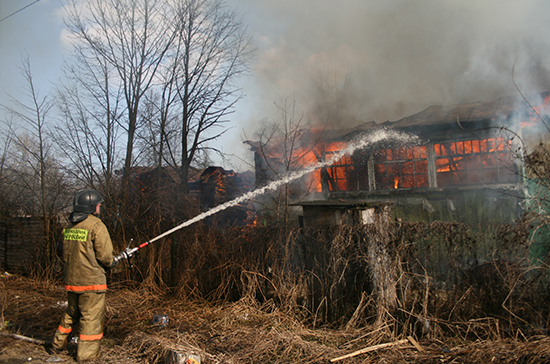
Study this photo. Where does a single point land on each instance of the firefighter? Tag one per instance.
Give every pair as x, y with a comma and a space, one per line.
87, 254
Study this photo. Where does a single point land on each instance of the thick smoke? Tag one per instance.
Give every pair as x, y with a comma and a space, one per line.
359, 60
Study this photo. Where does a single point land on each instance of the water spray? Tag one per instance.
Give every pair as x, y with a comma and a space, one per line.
370, 139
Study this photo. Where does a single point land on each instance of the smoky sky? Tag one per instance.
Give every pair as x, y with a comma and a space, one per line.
353, 61
344, 62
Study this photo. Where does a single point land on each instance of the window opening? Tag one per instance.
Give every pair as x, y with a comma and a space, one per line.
474, 162
348, 174
405, 167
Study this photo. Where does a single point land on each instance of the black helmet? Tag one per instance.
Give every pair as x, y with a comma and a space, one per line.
86, 201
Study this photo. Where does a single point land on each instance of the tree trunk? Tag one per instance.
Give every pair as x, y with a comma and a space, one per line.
184, 175
128, 161
383, 271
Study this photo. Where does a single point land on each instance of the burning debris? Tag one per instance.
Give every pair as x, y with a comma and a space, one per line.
218, 186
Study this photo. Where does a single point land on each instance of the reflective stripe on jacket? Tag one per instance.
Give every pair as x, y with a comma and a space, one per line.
87, 249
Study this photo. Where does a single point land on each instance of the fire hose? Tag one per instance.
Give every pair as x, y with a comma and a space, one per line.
361, 143
130, 252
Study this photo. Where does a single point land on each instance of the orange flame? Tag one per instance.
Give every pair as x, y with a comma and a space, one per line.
405, 167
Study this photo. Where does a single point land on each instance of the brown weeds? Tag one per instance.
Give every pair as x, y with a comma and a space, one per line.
249, 332
307, 296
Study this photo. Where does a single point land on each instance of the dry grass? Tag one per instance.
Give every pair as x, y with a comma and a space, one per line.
307, 296
248, 332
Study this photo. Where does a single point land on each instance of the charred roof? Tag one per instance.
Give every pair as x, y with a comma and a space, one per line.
501, 109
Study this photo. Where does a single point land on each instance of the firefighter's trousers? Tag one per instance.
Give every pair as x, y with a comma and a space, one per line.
87, 310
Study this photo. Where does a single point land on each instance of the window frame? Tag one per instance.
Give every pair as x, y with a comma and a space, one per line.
407, 167
470, 162
361, 174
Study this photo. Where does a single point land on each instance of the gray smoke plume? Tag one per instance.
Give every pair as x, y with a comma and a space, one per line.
359, 60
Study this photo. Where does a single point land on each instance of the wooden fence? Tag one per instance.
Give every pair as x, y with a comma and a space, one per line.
20, 242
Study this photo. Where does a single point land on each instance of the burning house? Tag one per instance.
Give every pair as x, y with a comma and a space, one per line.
465, 166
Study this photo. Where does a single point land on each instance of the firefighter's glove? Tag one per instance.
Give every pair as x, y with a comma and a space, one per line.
116, 260
113, 264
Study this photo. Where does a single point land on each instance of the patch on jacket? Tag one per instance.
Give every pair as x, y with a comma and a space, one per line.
75, 234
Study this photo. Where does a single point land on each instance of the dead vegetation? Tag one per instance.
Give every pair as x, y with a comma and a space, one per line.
246, 332
309, 296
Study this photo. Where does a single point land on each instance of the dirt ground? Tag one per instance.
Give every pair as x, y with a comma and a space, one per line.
241, 332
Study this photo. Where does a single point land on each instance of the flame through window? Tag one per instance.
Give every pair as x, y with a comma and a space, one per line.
349, 173
474, 162
470, 162
401, 168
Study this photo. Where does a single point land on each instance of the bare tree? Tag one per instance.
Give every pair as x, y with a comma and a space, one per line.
157, 75
35, 173
9, 198
212, 49
284, 146
132, 38
91, 109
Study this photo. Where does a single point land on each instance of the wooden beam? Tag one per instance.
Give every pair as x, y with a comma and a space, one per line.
25, 338
369, 349
415, 343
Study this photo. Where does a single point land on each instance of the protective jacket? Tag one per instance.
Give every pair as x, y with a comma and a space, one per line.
87, 250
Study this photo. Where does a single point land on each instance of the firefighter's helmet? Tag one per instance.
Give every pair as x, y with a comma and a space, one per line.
86, 201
